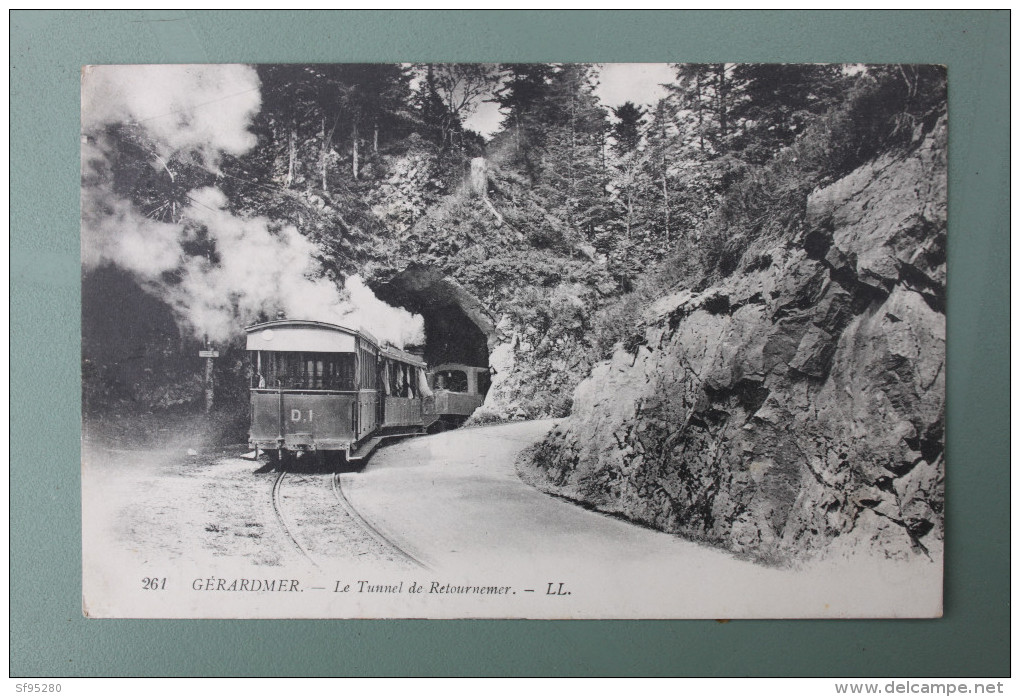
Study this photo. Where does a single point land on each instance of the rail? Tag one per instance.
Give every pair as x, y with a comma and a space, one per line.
284, 523
345, 503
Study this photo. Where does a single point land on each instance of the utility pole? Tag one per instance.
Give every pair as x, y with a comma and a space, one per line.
208, 354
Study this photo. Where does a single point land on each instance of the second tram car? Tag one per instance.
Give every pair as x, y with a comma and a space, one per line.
330, 390
458, 390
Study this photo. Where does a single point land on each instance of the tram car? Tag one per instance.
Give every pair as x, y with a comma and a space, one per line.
337, 392
457, 390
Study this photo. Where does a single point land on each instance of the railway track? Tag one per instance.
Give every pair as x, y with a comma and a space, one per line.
345, 503
323, 527
285, 523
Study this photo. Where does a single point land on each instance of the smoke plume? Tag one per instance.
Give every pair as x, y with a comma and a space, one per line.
204, 109
253, 266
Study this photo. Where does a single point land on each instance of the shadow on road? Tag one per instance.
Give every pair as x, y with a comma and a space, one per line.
309, 463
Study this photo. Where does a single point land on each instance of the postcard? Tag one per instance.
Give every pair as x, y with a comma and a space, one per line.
551, 341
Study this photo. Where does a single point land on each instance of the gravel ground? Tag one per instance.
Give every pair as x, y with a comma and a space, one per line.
454, 502
322, 526
165, 505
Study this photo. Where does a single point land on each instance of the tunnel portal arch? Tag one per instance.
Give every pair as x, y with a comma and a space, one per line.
458, 329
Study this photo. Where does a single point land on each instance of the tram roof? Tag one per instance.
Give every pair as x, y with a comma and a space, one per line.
400, 355
389, 351
459, 366
281, 323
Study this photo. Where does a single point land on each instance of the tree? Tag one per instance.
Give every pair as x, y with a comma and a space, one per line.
627, 130
777, 102
375, 93
705, 93
525, 87
662, 139
309, 107
691, 96
627, 134
573, 174
450, 92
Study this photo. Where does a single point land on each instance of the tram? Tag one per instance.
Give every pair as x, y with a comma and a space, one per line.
458, 390
338, 392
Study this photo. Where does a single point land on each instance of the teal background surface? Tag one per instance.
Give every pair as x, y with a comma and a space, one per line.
49, 636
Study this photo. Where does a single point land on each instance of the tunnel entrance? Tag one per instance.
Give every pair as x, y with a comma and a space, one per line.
457, 328
450, 337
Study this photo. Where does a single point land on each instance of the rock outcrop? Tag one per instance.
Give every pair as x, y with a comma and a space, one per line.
796, 409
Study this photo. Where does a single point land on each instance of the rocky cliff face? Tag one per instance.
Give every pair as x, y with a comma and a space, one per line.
795, 409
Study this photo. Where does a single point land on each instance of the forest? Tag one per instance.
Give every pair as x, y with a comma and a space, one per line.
325, 181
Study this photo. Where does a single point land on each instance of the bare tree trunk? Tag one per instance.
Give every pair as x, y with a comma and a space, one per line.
327, 143
701, 123
722, 87
324, 154
209, 389
354, 148
665, 187
630, 210
570, 161
445, 132
665, 199
292, 154
602, 152
375, 137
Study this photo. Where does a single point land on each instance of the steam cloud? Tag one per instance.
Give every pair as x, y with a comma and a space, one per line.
260, 267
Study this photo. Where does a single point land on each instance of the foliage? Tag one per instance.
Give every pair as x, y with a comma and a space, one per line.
627, 129
589, 213
887, 108
448, 94
735, 195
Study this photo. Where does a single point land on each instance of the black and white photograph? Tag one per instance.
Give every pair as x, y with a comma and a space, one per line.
513, 340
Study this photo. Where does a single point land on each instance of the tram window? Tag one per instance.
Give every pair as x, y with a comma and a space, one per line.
412, 384
400, 370
395, 381
452, 380
399, 379
368, 370
308, 371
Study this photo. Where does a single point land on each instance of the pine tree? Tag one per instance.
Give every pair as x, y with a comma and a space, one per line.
778, 101
573, 174
525, 89
662, 145
449, 93
627, 130
375, 93
628, 160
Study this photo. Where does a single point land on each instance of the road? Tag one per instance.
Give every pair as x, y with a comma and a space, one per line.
451, 501
455, 501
